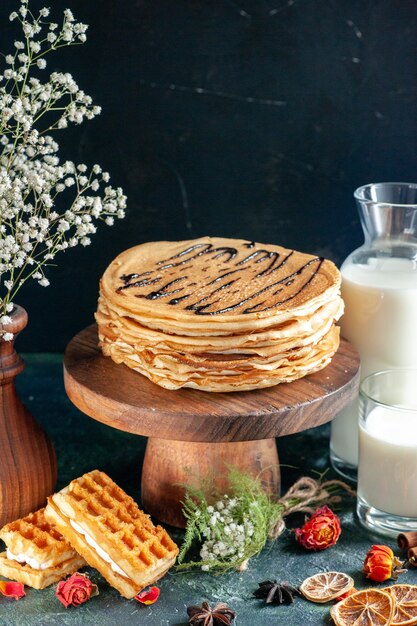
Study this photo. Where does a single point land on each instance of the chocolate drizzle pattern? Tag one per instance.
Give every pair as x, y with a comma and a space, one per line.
261, 277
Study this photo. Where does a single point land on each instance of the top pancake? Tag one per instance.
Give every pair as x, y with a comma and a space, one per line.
215, 283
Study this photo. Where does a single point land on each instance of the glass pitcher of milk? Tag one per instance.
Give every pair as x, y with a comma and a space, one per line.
379, 288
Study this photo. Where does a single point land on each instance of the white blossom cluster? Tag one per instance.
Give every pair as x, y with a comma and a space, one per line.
45, 206
225, 537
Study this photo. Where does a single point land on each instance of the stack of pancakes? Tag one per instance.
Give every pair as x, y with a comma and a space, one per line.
219, 314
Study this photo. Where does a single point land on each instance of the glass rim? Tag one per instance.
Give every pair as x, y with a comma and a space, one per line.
375, 375
360, 190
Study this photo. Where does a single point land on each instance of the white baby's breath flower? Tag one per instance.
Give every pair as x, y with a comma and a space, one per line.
31, 174
7, 336
69, 15
35, 46
29, 29
63, 225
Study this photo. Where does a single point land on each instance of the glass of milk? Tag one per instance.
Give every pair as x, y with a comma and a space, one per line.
387, 470
379, 288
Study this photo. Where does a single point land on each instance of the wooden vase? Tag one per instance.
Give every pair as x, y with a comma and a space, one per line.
28, 468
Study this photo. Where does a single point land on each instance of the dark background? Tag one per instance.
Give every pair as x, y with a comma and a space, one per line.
245, 119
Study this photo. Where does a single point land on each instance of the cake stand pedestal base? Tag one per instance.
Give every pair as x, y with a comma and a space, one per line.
171, 465
198, 433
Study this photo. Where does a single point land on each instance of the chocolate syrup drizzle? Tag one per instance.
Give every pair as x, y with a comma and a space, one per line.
271, 261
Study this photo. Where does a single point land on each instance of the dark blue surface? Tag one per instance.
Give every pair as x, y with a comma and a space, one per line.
83, 444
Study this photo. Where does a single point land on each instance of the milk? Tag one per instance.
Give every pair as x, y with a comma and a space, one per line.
387, 473
380, 320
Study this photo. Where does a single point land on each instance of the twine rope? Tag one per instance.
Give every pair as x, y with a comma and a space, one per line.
304, 496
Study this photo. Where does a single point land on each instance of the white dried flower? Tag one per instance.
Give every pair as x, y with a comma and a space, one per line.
33, 227
68, 15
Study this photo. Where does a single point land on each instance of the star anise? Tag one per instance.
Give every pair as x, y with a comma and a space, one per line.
204, 615
276, 592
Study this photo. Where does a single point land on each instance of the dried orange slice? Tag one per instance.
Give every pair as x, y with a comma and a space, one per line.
326, 586
370, 607
405, 610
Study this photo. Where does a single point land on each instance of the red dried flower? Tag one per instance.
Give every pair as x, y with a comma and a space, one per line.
12, 589
380, 564
148, 597
321, 531
77, 589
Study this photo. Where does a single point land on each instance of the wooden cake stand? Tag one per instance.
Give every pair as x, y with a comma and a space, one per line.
194, 434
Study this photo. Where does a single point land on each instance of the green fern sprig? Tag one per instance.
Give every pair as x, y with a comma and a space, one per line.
236, 526
231, 534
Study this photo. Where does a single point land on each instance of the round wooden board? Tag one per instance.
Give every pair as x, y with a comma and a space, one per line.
117, 396
122, 398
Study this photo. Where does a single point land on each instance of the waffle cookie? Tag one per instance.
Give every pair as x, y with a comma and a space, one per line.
219, 314
108, 529
37, 554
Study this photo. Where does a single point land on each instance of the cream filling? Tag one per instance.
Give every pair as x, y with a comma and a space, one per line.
23, 558
97, 548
